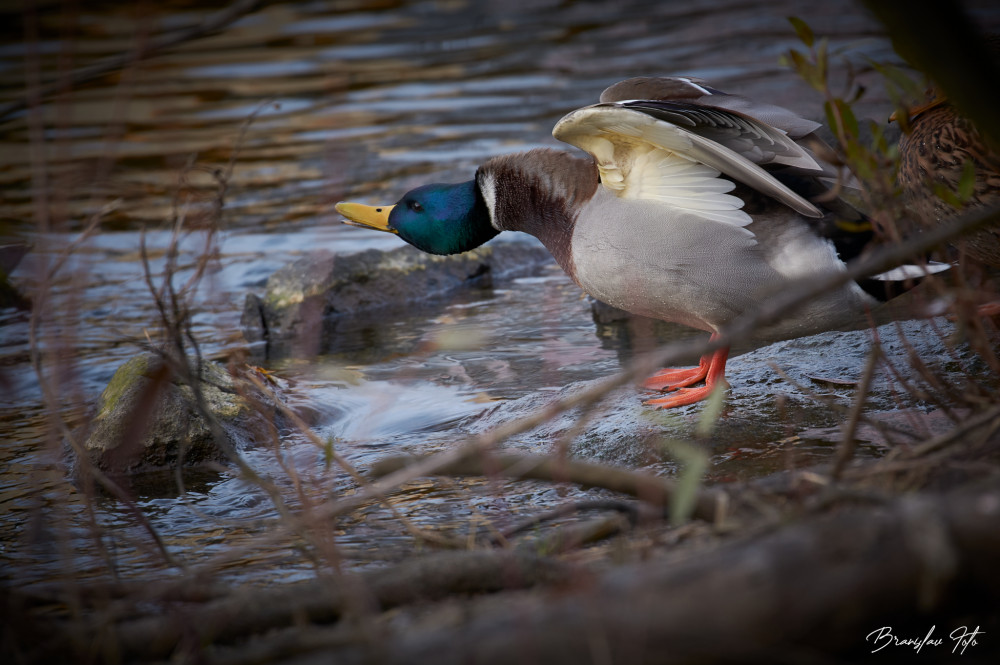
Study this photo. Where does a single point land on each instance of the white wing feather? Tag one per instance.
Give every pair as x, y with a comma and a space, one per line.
645, 158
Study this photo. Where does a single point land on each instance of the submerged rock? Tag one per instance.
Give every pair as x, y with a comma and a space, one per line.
304, 303
148, 418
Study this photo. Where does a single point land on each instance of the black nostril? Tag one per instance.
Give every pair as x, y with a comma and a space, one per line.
378, 209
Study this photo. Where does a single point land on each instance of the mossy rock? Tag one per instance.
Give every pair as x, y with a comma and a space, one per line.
148, 419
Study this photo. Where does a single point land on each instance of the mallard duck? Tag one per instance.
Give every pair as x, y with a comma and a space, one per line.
934, 155
691, 208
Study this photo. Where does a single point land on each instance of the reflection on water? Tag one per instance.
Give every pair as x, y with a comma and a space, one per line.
354, 99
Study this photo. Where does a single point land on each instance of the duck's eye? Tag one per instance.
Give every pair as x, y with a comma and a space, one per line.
415, 206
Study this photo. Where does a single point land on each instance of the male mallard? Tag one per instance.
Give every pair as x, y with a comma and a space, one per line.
691, 209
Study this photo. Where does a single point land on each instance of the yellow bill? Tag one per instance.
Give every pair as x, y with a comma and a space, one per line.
370, 217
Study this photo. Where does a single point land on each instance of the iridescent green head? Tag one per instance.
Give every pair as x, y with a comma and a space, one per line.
438, 219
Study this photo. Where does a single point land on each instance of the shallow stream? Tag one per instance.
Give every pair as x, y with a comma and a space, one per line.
359, 100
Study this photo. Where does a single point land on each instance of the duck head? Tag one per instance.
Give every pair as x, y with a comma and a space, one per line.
438, 219
935, 98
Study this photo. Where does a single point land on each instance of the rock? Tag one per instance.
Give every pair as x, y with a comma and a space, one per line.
305, 302
148, 419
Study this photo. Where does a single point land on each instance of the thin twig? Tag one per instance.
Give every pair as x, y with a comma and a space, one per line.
884, 429
848, 443
40, 306
631, 510
955, 435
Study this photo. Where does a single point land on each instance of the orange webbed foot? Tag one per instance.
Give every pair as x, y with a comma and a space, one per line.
671, 379
682, 397
711, 368
991, 308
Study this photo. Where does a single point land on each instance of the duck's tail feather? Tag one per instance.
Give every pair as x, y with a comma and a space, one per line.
891, 283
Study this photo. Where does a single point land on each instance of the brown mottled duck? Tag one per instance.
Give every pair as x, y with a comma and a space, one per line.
941, 149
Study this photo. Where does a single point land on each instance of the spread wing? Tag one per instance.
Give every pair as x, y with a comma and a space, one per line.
697, 91
675, 152
752, 139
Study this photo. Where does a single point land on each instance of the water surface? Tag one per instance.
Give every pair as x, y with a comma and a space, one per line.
313, 103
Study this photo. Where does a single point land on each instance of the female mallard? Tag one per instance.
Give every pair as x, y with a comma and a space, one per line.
691, 209
936, 154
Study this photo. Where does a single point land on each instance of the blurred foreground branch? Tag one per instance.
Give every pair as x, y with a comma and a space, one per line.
755, 601
709, 505
926, 558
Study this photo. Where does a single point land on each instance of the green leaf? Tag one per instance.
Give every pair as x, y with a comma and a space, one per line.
857, 155
709, 416
946, 195
803, 30
904, 91
822, 61
847, 116
902, 117
858, 92
878, 141
967, 183
831, 118
693, 461
896, 77
799, 61
328, 453
806, 69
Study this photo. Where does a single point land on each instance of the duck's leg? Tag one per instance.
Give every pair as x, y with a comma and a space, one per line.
715, 373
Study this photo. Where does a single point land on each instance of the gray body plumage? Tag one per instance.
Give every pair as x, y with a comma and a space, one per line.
702, 273
649, 259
